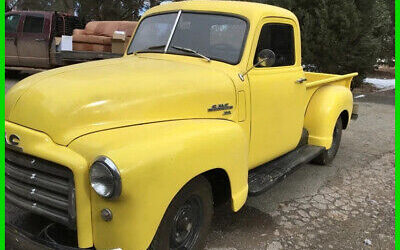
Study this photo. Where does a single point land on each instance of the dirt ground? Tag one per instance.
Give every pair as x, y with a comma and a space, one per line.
347, 205
383, 72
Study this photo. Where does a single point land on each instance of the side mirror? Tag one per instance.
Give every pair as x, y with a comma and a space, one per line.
265, 58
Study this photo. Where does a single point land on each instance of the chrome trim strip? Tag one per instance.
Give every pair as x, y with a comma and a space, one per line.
115, 172
173, 31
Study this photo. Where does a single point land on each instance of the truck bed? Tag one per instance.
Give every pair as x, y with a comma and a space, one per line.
83, 56
318, 79
64, 58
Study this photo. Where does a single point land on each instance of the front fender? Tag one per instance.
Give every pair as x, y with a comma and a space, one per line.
324, 108
155, 161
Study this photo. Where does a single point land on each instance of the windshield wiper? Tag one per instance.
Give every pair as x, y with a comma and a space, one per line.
175, 47
191, 51
150, 49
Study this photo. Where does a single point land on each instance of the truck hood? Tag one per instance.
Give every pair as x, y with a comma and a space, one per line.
69, 102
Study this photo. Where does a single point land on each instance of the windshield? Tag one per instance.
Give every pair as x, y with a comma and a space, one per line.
218, 37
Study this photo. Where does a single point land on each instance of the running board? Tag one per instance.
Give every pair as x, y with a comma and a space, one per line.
265, 176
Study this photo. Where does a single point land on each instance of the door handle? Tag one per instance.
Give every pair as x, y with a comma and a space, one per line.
301, 80
39, 39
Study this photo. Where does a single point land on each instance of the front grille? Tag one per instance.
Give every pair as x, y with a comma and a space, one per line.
40, 186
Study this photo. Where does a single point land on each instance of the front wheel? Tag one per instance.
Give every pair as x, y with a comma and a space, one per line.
186, 222
327, 156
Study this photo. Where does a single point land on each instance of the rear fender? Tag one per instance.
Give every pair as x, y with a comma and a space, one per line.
324, 108
155, 161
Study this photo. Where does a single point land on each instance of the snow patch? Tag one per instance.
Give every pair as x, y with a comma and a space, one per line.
381, 83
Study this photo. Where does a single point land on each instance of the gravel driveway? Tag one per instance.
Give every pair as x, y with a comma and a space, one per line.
348, 205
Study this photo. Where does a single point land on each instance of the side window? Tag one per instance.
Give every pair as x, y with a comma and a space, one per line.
279, 38
33, 24
11, 24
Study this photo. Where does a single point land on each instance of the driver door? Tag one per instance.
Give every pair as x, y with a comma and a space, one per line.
33, 41
277, 97
11, 29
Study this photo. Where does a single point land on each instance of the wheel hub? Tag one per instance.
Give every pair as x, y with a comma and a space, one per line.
185, 225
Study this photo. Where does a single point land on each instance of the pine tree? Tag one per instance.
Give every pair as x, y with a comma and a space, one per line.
340, 36
47, 5
87, 9
385, 29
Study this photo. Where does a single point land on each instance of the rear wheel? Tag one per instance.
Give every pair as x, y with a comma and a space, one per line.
186, 222
327, 156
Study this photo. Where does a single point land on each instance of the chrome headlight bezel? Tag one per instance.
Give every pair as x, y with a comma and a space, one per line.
112, 171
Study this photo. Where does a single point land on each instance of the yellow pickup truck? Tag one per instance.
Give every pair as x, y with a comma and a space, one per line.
208, 105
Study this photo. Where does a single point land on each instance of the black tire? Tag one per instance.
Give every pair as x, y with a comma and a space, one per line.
187, 220
327, 156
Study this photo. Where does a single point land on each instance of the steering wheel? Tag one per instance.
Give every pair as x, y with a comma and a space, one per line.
223, 46
223, 50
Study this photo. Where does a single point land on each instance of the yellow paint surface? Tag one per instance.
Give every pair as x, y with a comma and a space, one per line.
149, 114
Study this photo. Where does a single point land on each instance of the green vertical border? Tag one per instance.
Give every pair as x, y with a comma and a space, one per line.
397, 164
2, 218
397, 210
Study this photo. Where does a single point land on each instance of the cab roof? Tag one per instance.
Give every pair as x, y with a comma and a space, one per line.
252, 11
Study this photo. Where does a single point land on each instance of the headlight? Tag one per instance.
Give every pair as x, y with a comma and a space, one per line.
105, 178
